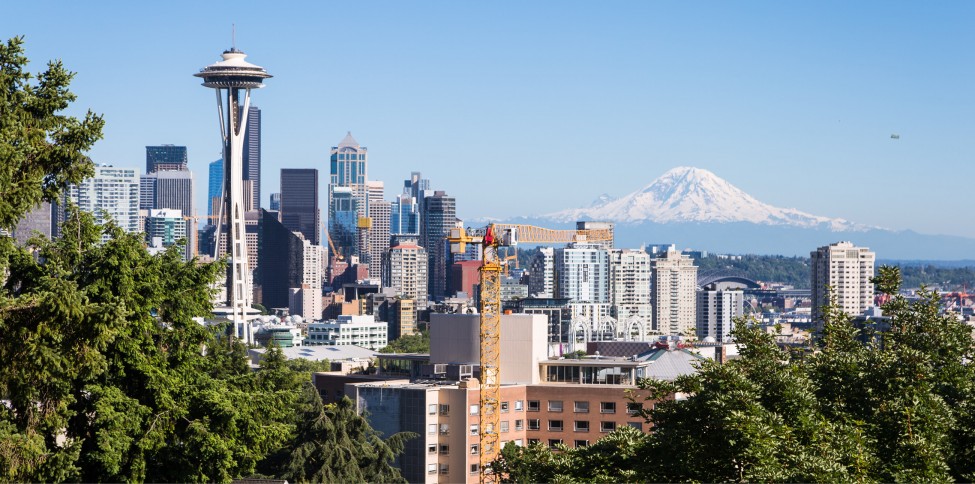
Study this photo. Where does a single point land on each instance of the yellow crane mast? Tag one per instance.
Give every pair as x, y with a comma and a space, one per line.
490, 239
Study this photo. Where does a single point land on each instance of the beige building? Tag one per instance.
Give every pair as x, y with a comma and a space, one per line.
629, 286
846, 270
406, 270
673, 294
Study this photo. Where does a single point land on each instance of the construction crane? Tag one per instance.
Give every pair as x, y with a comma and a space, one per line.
490, 239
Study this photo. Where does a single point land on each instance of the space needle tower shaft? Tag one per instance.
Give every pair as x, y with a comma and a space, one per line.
232, 79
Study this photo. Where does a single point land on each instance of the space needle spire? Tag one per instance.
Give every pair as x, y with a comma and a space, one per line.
232, 78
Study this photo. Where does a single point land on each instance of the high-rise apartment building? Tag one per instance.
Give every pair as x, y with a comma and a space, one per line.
111, 194
846, 270
379, 215
252, 160
541, 274
716, 311
582, 273
313, 274
406, 270
673, 292
166, 157
299, 202
439, 216
629, 282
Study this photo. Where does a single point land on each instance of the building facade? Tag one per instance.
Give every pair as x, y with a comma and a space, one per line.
629, 282
362, 331
299, 203
252, 160
406, 271
582, 273
716, 312
111, 194
541, 274
166, 157
439, 216
846, 270
673, 293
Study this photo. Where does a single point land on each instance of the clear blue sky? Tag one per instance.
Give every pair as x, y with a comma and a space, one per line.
530, 107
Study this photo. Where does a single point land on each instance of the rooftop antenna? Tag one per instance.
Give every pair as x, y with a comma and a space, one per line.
233, 36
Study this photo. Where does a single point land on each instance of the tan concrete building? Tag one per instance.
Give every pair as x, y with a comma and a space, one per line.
845, 269
674, 293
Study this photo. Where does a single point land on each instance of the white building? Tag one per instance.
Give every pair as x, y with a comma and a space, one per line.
716, 310
845, 269
629, 282
582, 272
406, 270
362, 331
112, 194
673, 293
169, 226
541, 274
307, 299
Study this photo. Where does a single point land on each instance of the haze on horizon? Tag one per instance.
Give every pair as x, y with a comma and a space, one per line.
524, 109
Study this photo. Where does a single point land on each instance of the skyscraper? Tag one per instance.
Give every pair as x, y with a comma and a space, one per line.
111, 194
379, 212
846, 270
275, 204
716, 310
406, 270
440, 213
299, 202
674, 283
348, 173
167, 226
37, 220
582, 273
252, 160
214, 190
404, 217
281, 261
167, 189
629, 282
166, 157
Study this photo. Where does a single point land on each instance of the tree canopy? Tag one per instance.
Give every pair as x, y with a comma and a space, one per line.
897, 408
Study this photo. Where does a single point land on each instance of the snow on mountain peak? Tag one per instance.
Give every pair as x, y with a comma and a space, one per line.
688, 194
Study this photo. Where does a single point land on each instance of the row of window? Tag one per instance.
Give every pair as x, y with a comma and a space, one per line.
578, 425
535, 406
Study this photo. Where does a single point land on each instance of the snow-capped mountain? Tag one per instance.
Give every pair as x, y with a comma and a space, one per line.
686, 194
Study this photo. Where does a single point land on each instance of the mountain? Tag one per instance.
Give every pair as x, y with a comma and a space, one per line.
686, 194
695, 208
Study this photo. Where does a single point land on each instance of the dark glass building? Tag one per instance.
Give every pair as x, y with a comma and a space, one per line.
252, 159
299, 202
166, 157
440, 215
280, 261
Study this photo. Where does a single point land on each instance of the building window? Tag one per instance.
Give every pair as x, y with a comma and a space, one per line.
444, 409
431, 468
534, 424
555, 405
475, 468
534, 406
532, 441
519, 405
433, 409
473, 409
582, 443
444, 429
432, 428
519, 443
636, 425
474, 449
607, 426
519, 424
444, 449
473, 429
582, 426
554, 442
633, 408
444, 469
607, 407
504, 406
581, 407
504, 426
432, 449
555, 425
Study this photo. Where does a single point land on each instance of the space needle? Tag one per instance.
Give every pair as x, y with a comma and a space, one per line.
232, 79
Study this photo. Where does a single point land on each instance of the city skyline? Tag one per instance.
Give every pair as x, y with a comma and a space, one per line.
795, 104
